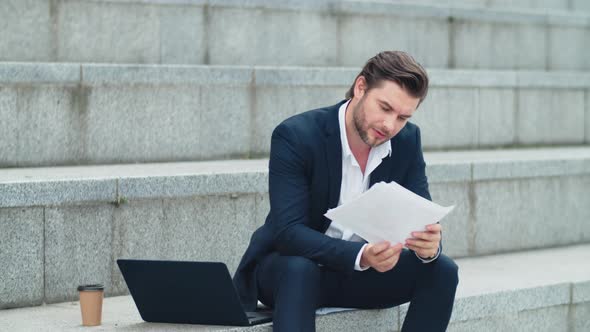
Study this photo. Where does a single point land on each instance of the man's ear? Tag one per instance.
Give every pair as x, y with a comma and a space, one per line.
360, 86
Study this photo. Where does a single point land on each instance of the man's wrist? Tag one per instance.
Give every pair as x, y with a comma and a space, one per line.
429, 259
358, 266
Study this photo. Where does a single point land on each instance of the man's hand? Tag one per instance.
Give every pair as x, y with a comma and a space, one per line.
381, 256
425, 244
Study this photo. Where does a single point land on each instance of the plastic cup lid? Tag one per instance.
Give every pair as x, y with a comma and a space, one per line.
95, 287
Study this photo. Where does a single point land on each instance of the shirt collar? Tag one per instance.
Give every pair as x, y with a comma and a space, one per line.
381, 150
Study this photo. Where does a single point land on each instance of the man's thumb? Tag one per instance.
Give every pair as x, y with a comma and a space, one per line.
379, 247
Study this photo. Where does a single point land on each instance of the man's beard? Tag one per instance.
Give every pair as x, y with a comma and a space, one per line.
358, 117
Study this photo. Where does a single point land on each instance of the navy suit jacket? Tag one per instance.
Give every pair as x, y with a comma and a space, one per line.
305, 173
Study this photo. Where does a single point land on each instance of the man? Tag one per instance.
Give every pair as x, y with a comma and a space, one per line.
299, 260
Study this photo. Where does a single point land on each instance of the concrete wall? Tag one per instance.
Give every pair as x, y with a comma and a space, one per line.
320, 33
66, 226
64, 114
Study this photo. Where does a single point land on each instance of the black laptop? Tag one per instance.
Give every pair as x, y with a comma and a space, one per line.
186, 293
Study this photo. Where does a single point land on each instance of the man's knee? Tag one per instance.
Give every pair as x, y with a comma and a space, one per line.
446, 270
300, 267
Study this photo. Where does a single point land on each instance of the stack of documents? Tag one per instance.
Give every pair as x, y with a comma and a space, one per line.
387, 212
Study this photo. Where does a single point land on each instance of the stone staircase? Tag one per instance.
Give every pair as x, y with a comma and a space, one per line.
140, 128
510, 292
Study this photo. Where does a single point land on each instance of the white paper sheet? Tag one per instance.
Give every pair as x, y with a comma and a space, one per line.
388, 212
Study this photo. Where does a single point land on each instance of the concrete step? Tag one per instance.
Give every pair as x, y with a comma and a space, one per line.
320, 33
540, 290
64, 114
540, 5
63, 226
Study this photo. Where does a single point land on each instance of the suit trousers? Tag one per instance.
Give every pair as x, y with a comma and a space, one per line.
295, 287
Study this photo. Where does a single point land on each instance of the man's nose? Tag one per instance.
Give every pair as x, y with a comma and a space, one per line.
389, 123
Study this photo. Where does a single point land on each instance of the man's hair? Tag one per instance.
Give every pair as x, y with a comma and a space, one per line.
395, 66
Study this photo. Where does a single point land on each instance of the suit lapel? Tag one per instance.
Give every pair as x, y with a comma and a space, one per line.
334, 158
333, 148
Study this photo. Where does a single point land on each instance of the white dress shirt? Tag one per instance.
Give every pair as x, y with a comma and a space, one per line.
354, 183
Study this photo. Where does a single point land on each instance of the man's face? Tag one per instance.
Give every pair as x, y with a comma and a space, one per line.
382, 112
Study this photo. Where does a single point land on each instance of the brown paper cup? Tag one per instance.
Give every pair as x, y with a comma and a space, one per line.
91, 304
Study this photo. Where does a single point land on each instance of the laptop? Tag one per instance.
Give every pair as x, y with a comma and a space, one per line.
186, 293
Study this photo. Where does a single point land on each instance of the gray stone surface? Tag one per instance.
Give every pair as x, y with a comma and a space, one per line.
457, 228
384, 8
360, 320
39, 73
505, 169
567, 51
530, 4
537, 123
486, 305
186, 45
226, 123
120, 314
581, 292
267, 76
210, 228
24, 192
550, 202
501, 16
275, 104
185, 186
539, 268
425, 38
448, 118
300, 5
175, 113
61, 185
184, 123
523, 290
25, 31
128, 32
8, 127
238, 36
483, 79
496, 110
138, 226
587, 116
253, 32
50, 125
580, 314
204, 228
522, 46
582, 5
443, 171
152, 75
119, 116
78, 249
544, 319
559, 79
21, 254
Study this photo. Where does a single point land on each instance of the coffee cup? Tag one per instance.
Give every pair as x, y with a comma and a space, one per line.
91, 304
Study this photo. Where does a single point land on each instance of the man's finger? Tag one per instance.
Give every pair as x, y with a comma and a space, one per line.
379, 247
426, 236
388, 264
389, 252
420, 243
434, 228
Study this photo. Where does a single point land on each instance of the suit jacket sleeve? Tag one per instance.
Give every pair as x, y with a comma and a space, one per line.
416, 179
291, 222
